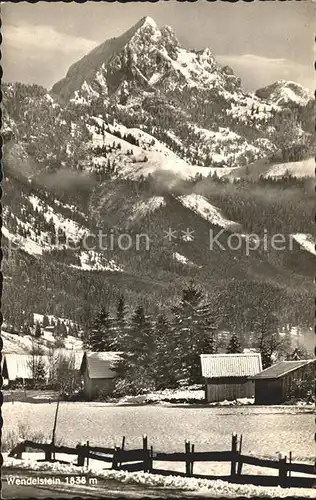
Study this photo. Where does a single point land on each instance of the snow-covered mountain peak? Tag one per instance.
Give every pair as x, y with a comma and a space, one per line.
146, 25
148, 21
284, 92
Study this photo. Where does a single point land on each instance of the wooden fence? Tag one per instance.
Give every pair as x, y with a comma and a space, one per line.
143, 459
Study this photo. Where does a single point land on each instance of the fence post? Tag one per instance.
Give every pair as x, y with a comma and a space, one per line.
151, 455
146, 453
114, 460
123, 443
20, 449
88, 450
187, 458
290, 460
81, 457
239, 467
282, 470
192, 463
122, 448
234, 453
48, 454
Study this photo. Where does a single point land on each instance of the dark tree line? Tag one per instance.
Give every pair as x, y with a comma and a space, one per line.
159, 352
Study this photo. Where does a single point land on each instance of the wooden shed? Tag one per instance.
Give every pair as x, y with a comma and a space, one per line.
98, 372
276, 384
227, 375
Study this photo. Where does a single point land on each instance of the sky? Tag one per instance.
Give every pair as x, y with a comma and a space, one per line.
261, 41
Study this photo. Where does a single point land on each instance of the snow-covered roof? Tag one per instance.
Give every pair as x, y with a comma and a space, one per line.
283, 368
230, 365
100, 364
16, 366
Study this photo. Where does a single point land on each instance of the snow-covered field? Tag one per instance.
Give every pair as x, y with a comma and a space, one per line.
266, 430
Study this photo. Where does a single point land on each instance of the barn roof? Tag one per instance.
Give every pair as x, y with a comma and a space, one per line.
230, 365
20, 365
100, 364
282, 368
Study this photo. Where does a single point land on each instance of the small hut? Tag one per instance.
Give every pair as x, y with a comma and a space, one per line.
98, 372
227, 375
283, 380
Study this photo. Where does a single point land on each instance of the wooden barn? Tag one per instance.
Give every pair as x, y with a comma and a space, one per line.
98, 372
227, 375
21, 368
277, 383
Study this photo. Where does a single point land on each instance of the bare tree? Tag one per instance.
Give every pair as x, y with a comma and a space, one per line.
63, 373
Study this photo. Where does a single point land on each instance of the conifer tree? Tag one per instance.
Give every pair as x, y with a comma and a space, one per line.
99, 338
119, 326
234, 345
121, 309
163, 362
193, 333
140, 340
38, 331
136, 367
40, 371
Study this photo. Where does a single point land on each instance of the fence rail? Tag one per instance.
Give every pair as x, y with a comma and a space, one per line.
142, 459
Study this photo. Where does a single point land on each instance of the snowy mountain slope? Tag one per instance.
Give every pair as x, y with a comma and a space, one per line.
145, 207
306, 241
304, 168
71, 228
184, 260
149, 157
201, 206
265, 168
23, 344
43, 226
94, 261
